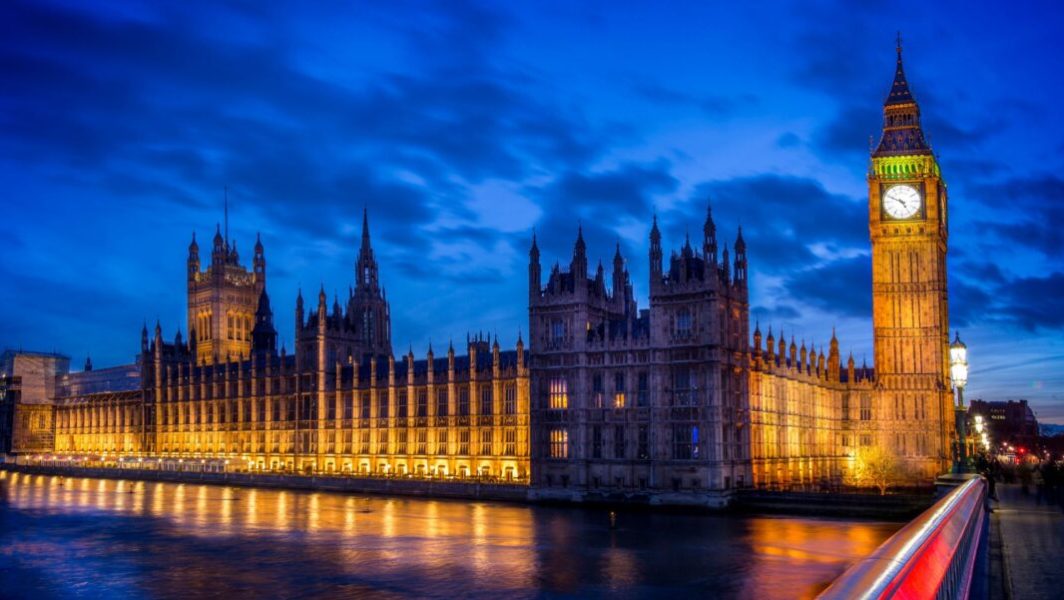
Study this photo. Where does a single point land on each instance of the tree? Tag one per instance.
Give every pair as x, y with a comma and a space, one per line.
874, 466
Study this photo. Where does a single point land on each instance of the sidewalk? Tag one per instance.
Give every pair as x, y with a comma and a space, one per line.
1032, 543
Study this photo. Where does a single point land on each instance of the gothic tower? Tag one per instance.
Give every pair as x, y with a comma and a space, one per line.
907, 207
368, 304
223, 299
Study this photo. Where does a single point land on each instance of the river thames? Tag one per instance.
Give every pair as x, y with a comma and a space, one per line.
90, 538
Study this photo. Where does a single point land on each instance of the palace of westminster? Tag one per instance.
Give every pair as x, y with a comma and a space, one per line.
678, 398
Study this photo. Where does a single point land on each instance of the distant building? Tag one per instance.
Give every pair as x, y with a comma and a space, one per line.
27, 392
1012, 422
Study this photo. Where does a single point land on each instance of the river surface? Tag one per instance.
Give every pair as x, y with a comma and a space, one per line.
96, 538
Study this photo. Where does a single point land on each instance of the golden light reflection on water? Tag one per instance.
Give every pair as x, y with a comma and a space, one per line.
446, 548
783, 547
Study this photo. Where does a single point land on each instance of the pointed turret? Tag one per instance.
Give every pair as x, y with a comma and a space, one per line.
578, 266
770, 346
144, 338
655, 252
218, 252
709, 237
833, 357
193, 258
534, 272
902, 133
263, 334
366, 275
259, 262
88, 363
740, 257
299, 309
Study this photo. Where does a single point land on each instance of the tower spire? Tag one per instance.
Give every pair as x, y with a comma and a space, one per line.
902, 134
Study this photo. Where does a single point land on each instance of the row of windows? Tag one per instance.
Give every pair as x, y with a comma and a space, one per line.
684, 392
238, 326
347, 443
686, 442
242, 410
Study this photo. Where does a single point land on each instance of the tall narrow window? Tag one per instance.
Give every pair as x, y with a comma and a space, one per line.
441, 402
557, 331
683, 323
559, 394
510, 399
643, 392
559, 443
618, 390
598, 392
681, 386
463, 401
685, 442
422, 402
485, 399
382, 404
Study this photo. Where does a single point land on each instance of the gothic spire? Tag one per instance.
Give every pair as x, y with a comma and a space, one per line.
366, 266
899, 91
902, 134
365, 230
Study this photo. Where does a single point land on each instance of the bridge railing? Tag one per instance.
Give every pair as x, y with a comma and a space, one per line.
931, 557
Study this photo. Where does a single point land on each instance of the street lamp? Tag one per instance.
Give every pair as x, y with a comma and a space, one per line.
958, 371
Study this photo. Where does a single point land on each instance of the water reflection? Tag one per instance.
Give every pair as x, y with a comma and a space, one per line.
180, 540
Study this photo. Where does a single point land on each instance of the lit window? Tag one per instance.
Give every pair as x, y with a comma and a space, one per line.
559, 443
618, 390
598, 393
559, 393
485, 442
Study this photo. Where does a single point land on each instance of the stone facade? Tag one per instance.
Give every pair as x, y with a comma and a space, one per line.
641, 400
676, 400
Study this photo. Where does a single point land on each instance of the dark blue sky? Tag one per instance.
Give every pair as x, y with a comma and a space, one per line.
462, 126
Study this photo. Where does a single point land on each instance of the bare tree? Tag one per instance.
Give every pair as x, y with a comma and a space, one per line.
874, 466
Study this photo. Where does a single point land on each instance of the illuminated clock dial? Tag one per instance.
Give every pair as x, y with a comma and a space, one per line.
901, 201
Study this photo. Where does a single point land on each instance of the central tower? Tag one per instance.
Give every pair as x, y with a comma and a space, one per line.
907, 208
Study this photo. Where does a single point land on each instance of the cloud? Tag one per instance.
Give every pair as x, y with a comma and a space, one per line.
787, 218
841, 287
599, 202
1030, 211
719, 106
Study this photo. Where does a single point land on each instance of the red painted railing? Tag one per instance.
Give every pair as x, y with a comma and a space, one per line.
931, 557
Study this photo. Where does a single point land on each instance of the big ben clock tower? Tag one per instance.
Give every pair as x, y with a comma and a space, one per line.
907, 209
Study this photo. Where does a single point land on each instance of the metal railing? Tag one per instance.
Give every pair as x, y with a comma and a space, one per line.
931, 557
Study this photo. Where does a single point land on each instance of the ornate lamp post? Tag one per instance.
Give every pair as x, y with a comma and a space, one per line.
958, 370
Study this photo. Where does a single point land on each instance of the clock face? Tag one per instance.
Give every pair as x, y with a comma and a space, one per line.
901, 201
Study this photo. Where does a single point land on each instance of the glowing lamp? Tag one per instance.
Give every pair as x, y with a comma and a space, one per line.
958, 359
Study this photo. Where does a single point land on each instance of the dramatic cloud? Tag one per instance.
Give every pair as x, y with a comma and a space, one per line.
461, 126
